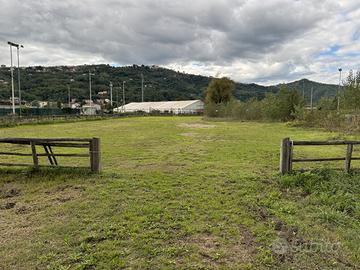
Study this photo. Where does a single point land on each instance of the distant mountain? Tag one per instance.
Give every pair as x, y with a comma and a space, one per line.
319, 89
51, 83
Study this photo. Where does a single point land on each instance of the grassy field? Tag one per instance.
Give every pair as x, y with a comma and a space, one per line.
180, 193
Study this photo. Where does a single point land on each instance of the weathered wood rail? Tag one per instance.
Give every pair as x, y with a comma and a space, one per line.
93, 146
287, 149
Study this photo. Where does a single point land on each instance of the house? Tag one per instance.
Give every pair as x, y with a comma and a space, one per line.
90, 109
42, 104
175, 107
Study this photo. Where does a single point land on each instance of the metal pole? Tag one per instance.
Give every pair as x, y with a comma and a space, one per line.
111, 94
117, 99
303, 90
18, 60
69, 97
90, 87
12, 81
311, 97
123, 95
338, 94
142, 87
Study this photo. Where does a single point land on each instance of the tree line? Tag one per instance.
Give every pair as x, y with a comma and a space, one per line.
288, 104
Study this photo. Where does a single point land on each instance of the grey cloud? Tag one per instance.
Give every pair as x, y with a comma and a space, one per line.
215, 32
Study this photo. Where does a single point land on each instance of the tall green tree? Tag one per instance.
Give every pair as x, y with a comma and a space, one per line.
220, 91
351, 96
286, 103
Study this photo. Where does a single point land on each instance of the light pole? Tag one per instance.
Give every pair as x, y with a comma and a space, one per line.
117, 98
18, 46
69, 94
142, 87
111, 94
90, 74
338, 94
12, 79
18, 60
123, 88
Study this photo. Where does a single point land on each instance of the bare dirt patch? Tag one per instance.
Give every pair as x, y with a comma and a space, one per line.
196, 125
215, 251
9, 193
65, 193
7, 205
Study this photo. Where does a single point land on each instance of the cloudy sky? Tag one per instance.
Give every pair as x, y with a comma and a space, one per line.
262, 41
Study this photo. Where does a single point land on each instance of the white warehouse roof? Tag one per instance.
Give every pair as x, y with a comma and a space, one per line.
183, 106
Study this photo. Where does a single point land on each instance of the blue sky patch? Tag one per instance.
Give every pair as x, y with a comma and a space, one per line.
356, 35
332, 50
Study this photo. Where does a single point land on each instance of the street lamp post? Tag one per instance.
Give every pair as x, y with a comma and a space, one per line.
111, 94
18, 46
12, 80
69, 93
18, 62
123, 103
69, 96
117, 98
142, 87
90, 74
123, 88
338, 94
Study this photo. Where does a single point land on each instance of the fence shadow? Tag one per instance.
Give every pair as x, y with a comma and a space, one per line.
48, 173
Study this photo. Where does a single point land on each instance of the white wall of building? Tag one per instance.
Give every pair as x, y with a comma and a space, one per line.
175, 107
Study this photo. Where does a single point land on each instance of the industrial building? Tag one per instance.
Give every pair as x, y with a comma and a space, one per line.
175, 107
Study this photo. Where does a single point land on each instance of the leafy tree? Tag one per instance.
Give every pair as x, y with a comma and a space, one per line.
351, 94
327, 104
287, 101
220, 91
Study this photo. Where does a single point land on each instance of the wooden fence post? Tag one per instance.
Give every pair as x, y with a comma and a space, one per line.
290, 157
285, 156
348, 157
95, 162
34, 155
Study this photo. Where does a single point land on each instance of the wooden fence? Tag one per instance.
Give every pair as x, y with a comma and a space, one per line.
287, 149
93, 146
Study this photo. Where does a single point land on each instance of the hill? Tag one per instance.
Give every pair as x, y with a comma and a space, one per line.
320, 89
51, 83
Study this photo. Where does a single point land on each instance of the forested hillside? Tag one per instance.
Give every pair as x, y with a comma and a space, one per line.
51, 83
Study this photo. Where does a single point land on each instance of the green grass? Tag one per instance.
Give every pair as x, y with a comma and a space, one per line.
178, 195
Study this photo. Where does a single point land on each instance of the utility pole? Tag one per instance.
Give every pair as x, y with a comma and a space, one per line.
303, 89
142, 87
123, 88
18, 46
338, 92
18, 62
69, 97
311, 97
111, 94
12, 80
117, 99
90, 74
90, 87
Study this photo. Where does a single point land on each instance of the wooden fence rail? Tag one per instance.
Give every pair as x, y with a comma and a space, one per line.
93, 145
287, 149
